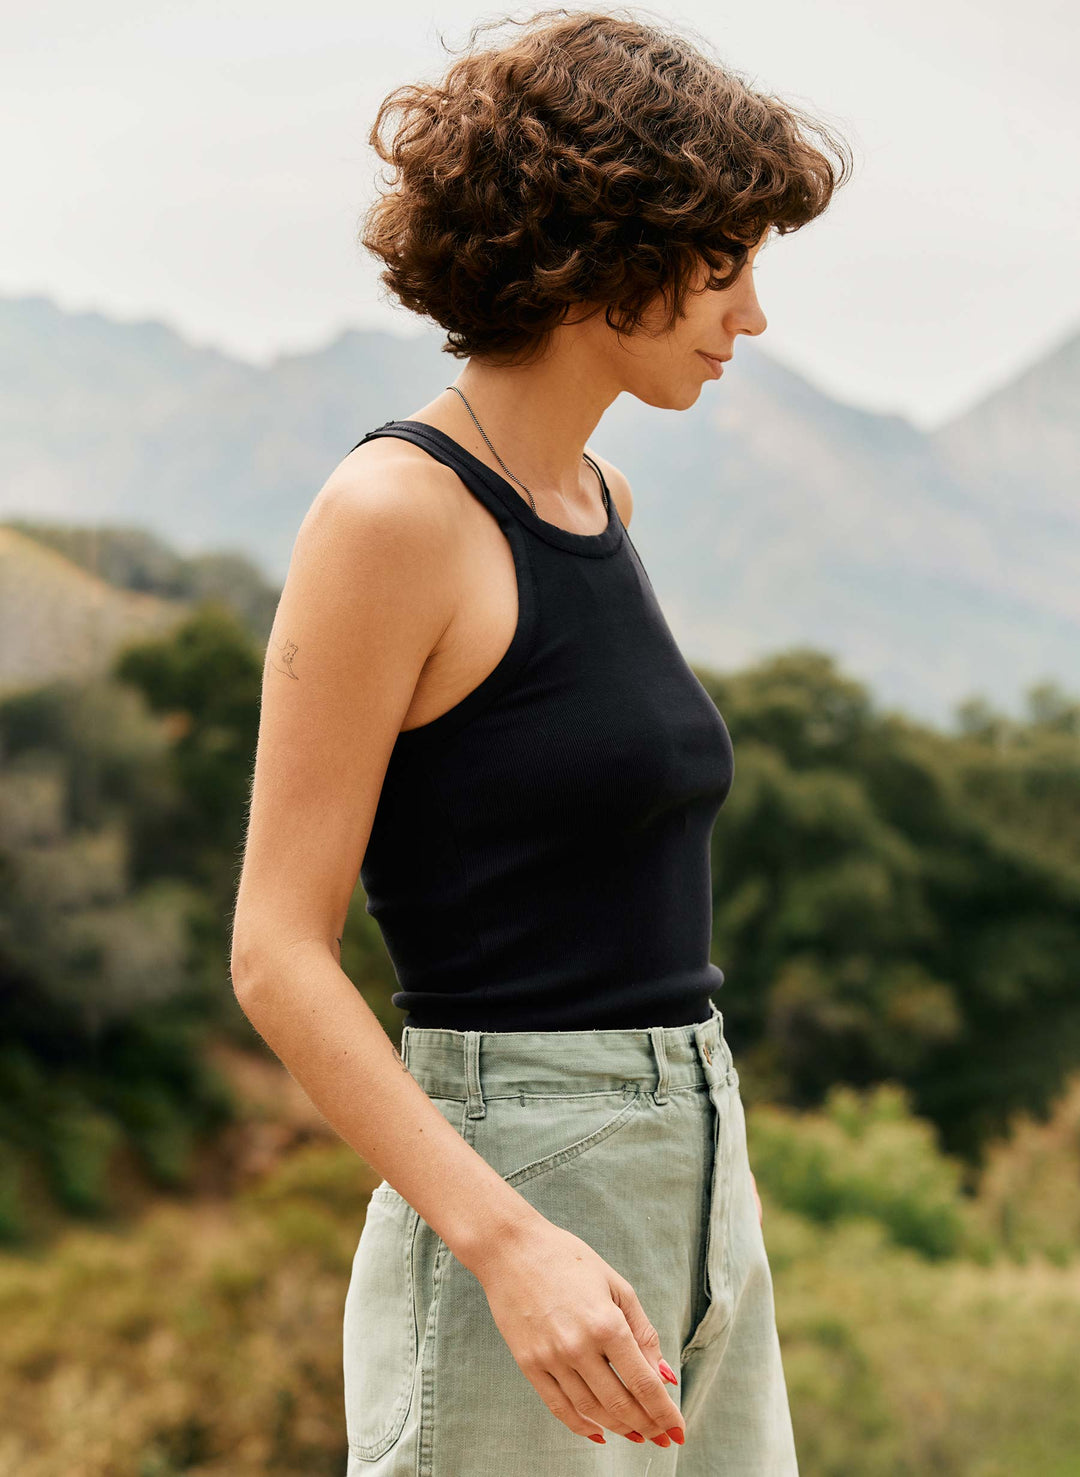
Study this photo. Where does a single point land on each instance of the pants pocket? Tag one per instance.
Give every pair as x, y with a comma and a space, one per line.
528, 1135
379, 1329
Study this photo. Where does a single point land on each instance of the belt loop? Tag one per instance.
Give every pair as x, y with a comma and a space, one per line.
404, 1053
723, 1049
660, 1095
477, 1107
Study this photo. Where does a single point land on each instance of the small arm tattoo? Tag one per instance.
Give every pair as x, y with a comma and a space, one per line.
287, 651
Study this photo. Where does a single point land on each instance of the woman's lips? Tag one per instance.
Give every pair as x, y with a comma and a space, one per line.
716, 366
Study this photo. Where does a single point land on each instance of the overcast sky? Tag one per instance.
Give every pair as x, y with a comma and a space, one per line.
206, 164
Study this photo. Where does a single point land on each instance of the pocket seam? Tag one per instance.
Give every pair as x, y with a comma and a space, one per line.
551, 1161
371, 1450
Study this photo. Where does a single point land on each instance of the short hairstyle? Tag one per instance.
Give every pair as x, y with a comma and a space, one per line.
590, 159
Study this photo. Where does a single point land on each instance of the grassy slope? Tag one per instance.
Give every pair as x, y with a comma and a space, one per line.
205, 1339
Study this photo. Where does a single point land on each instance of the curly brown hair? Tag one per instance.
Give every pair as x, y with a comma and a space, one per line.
591, 159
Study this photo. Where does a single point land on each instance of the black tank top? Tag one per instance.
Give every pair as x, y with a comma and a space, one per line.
540, 855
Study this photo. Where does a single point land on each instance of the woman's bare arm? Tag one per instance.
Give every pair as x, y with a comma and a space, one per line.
369, 591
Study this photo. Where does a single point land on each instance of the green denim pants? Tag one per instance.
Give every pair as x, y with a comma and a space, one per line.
635, 1140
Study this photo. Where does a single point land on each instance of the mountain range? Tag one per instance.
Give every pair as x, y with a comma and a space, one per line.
936, 566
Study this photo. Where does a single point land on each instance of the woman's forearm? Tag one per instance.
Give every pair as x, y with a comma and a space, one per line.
313, 1018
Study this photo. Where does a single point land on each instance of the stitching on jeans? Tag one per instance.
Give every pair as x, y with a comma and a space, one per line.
370, 1450
711, 1325
573, 1097
429, 1346
567, 1097
573, 1151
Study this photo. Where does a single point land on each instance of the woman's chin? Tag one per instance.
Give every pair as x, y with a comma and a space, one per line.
670, 398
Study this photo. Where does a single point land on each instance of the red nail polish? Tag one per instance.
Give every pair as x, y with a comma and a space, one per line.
677, 1436
635, 1436
668, 1373
598, 1439
661, 1440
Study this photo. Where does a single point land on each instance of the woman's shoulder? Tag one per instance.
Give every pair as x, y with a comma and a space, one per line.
618, 485
388, 488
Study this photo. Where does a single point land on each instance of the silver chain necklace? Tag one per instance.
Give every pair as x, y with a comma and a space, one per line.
494, 453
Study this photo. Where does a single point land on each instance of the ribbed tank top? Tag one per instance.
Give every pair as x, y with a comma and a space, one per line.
539, 859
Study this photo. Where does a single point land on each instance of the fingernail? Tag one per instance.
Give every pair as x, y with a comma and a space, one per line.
668, 1373
634, 1436
677, 1436
598, 1439
660, 1440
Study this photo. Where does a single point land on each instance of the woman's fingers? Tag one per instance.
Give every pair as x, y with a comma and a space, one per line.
603, 1398
598, 1400
624, 1362
579, 1335
634, 1350
555, 1398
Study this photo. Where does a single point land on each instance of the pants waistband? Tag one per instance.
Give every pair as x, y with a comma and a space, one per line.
473, 1066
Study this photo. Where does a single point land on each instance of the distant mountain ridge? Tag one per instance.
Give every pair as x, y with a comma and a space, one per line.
934, 565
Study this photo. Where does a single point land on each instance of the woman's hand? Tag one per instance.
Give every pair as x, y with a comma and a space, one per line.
579, 1335
757, 1197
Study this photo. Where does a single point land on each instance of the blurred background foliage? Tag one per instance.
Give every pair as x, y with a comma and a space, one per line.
897, 913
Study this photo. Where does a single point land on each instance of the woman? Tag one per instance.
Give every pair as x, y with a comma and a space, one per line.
497, 729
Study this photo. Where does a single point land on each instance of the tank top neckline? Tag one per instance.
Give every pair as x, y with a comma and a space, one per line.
604, 542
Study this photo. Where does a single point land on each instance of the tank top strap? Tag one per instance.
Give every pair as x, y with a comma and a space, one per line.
444, 450
603, 480
503, 500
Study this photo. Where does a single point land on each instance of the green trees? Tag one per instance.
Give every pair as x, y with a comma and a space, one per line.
897, 903
117, 848
892, 904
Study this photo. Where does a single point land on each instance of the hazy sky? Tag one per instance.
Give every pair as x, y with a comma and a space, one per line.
207, 164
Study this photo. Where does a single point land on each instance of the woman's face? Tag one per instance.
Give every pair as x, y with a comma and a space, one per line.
667, 368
